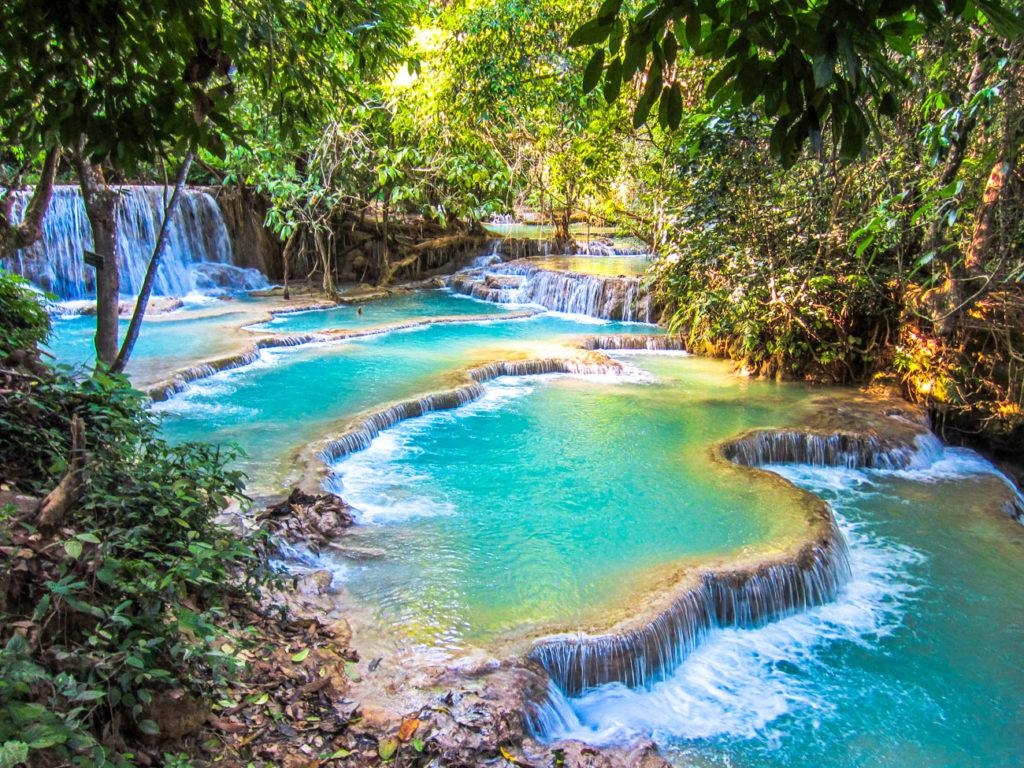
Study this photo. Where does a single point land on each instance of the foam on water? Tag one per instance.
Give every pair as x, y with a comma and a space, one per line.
740, 681
375, 481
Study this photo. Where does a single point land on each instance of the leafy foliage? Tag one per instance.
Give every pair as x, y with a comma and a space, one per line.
126, 602
809, 65
23, 320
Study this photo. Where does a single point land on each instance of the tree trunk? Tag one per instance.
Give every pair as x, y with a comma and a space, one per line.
101, 207
55, 506
1000, 182
30, 229
154, 262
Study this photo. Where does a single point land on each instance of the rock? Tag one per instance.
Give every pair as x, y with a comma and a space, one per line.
23, 505
316, 583
340, 631
358, 553
314, 520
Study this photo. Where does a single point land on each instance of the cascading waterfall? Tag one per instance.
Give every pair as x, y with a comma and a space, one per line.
198, 256
641, 655
519, 282
836, 449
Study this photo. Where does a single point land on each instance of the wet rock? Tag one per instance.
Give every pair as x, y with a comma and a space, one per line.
316, 583
312, 519
358, 553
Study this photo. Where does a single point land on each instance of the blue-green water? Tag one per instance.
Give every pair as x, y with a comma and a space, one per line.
294, 396
916, 664
401, 308
165, 341
555, 501
557, 498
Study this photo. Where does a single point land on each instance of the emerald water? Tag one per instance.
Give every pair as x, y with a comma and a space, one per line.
296, 395
400, 308
165, 343
917, 663
556, 501
563, 500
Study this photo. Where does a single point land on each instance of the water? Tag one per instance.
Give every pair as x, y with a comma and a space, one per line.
401, 308
298, 395
197, 258
917, 662
563, 501
544, 505
166, 342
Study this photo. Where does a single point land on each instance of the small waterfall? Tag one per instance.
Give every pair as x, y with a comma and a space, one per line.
640, 656
837, 449
626, 342
646, 652
359, 436
198, 256
519, 282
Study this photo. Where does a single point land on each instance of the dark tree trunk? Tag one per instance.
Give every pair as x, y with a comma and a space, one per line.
101, 207
30, 229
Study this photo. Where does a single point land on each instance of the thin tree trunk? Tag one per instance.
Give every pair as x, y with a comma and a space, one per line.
154, 263
1001, 178
55, 506
30, 228
101, 207
284, 260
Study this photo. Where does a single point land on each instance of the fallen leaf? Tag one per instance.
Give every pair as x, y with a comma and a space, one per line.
408, 728
387, 748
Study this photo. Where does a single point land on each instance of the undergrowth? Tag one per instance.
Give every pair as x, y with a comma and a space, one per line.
124, 603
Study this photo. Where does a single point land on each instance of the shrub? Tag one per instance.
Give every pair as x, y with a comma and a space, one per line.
128, 599
23, 320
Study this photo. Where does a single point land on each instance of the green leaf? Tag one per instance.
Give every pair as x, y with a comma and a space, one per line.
609, 8
693, 29
592, 74
149, 727
301, 656
44, 736
351, 672
89, 538
339, 754
594, 31
74, 548
613, 80
824, 70
642, 110
387, 748
675, 106
13, 753
1003, 21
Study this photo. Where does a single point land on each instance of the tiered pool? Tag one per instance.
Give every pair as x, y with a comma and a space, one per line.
557, 502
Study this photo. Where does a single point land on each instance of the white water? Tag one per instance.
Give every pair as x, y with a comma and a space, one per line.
198, 257
737, 683
741, 682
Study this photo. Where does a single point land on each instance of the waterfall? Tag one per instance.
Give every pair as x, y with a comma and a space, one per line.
519, 282
198, 256
740, 598
836, 449
361, 433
